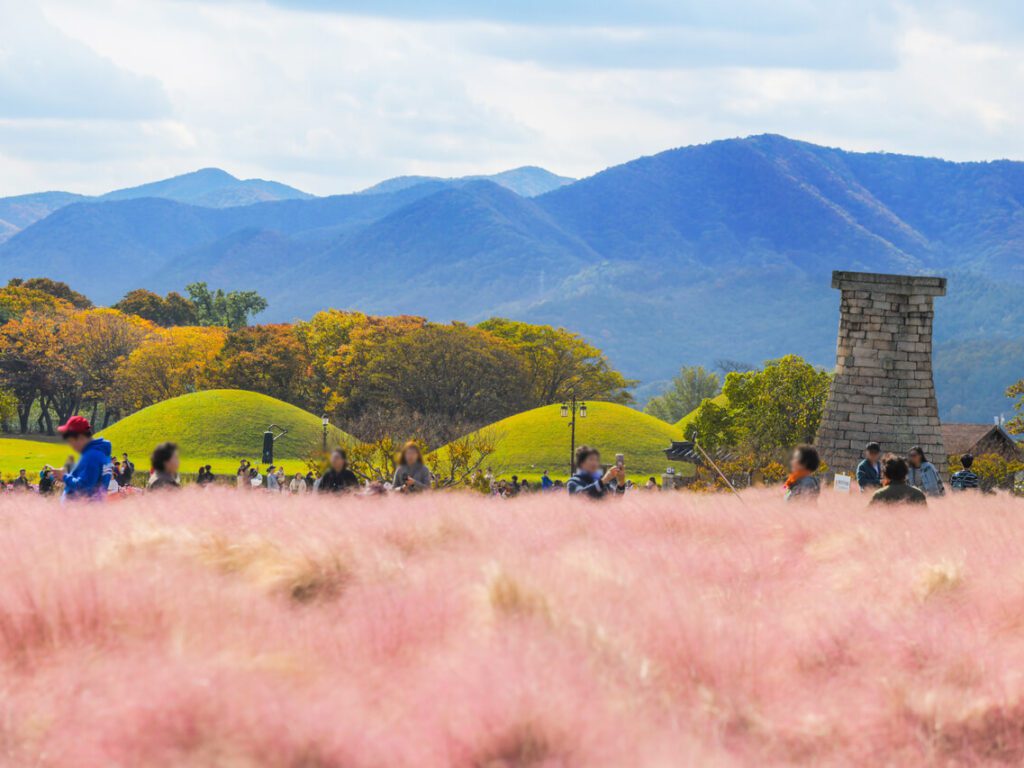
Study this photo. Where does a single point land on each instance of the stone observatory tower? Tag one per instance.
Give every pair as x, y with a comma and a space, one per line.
883, 389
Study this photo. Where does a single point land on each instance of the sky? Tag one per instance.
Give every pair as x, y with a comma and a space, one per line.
333, 96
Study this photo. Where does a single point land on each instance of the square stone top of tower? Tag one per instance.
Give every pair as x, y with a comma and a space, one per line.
872, 282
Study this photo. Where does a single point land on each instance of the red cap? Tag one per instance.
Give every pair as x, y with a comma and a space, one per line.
76, 425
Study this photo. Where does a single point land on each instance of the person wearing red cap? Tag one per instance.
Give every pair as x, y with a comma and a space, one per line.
90, 476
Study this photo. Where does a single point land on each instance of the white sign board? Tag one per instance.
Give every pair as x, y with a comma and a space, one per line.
842, 483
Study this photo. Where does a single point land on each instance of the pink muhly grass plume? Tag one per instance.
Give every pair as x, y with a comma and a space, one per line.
215, 628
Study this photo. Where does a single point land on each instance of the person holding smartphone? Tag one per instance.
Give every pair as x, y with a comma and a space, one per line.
591, 480
412, 474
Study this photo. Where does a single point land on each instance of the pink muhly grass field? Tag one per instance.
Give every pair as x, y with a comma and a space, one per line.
219, 629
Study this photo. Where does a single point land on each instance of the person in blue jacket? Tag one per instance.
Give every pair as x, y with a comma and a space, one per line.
90, 476
545, 482
869, 471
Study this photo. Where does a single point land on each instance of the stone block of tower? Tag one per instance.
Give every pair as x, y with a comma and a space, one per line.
883, 388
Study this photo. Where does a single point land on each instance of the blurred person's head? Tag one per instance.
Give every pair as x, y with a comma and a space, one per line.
967, 461
873, 452
894, 468
77, 433
339, 459
805, 458
916, 456
588, 459
165, 459
410, 454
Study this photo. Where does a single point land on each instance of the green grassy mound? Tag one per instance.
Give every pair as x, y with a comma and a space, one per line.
531, 442
31, 455
719, 400
224, 424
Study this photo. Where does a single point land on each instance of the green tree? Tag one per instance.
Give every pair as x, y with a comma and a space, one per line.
769, 410
232, 309
558, 363
689, 389
714, 427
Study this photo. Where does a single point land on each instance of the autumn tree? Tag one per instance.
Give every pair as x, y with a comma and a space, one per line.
269, 359
26, 348
54, 288
1016, 392
689, 389
92, 345
169, 311
458, 376
326, 337
558, 363
16, 300
169, 363
347, 394
231, 309
8, 408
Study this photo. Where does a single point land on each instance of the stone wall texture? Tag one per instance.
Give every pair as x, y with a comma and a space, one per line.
883, 389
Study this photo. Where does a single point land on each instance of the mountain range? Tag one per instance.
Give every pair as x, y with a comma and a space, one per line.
721, 250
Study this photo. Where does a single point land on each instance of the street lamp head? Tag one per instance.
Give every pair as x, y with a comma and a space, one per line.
564, 410
324, 420
583, 410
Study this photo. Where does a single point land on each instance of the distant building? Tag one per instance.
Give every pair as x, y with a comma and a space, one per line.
979, 439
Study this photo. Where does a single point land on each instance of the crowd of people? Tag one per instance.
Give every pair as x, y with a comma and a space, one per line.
888, 478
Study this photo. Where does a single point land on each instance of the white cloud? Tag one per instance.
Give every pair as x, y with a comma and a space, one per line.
332, 102
45, 74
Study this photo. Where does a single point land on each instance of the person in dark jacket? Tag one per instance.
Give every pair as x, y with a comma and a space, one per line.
21, 482
90, 476
869, 471
46, 482
966, 479
127, 471
339, 478
896, 489
802, 485
412, 474
165, 463
590, 479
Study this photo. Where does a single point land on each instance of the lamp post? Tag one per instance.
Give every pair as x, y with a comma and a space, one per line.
326, 422
570, 410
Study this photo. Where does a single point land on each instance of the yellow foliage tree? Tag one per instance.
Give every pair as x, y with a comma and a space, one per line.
169, 363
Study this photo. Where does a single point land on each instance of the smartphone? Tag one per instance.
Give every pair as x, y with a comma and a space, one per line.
620, 460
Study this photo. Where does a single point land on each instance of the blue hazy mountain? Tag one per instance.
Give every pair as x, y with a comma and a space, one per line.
20, 211
528, 181
208, 187
722, 250
212, 188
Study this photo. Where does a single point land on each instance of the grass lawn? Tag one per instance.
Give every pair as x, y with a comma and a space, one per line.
18, 453
530, 442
